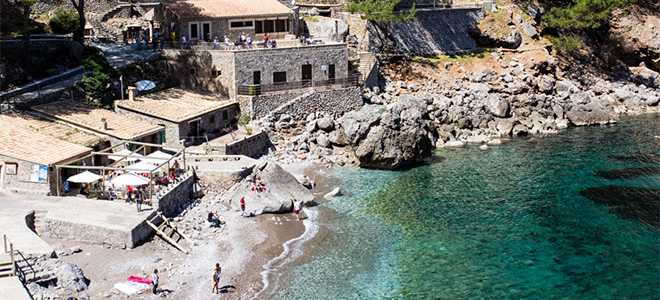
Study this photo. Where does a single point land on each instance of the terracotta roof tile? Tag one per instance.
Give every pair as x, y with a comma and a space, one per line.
176, 105
192, 9
89, 117
52, 128
18, 142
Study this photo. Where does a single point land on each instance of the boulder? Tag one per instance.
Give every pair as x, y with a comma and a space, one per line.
595, 112
326, 124
334, 193
529, 30
504, 126
497, 106
69, 276
546, 84
323, 141
398, 138
356, 123
484, 75
338, 137
281, 188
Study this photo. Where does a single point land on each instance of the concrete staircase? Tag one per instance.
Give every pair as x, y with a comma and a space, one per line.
6, 265
39, 224
368, 64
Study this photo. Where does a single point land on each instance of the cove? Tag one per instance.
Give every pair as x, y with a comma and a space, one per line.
510, 222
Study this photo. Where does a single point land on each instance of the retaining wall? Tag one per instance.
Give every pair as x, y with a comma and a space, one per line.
335, 102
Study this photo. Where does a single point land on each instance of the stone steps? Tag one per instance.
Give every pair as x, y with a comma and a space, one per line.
39, 224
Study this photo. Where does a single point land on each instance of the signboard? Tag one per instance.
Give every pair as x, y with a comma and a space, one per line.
38, 173
65, 185
11, 169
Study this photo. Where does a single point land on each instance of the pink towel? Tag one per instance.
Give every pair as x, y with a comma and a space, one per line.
138, 279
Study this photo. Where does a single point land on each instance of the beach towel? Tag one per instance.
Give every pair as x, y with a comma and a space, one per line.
138, 279
130, 287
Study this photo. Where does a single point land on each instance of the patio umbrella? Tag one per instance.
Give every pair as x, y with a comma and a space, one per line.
130, 179
84, 177
124, 152
157, 157
141, 167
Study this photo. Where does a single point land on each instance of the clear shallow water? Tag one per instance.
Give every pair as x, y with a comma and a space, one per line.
506, 223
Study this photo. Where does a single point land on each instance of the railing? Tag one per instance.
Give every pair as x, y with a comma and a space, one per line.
258, 89
42, 83
19, 271
10, 250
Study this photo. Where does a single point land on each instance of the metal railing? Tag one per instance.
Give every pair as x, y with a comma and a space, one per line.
258, 89
37, 86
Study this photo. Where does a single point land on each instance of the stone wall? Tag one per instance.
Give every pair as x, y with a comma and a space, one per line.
264, 104
290, 60
63, 229
170, 204
435, 32
21, 181
194, 69
335, 102
252, 146
91, 6
224, 69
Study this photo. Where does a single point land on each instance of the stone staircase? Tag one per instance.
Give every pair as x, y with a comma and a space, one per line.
368, 62
39, 224
6, 265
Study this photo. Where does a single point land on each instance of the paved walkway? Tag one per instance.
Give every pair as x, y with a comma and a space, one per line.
119, 55
12, 288
98, 213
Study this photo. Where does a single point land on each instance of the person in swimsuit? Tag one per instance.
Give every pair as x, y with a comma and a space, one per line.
242, 206
296, 209
216, 278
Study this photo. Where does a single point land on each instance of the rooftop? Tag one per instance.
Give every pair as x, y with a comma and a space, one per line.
18, 142
175, 104
89, 117
195, 9
48, 127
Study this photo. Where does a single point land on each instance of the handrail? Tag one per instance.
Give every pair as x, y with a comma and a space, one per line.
11, 253
258, 89
20, 272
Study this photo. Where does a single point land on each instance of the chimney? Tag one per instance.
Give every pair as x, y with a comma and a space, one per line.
131, 93
104, 124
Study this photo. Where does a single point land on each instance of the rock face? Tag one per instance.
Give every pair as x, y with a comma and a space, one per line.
592, 113
69, 276
330, 27
390, 137
281, 187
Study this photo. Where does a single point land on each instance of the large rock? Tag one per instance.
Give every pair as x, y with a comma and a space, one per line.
398, 138
595, 112
326, 124
497, 106
69, 276
356, 123
529, 30
281, 188
330, 27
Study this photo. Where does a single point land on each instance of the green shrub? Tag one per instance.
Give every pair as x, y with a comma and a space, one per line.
64, 21
564, 42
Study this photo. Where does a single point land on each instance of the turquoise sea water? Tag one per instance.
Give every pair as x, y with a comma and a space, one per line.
505, 223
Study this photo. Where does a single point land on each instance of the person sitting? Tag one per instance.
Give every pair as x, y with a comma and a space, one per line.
214, 218
173, 177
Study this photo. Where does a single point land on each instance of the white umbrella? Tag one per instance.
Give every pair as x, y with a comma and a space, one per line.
157, 157
145, 85
130, 179
84, 177
141, 167
124, 152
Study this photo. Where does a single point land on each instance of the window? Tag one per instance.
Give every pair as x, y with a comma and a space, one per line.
241, 24
269, 25
217, 73
192, 71
212, 119
279, 77
258, 27
194, 31
280, 25
225, 115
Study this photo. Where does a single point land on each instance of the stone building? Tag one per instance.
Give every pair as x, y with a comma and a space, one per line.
206, 19
295, 66
30, 148
102, 122
186, 115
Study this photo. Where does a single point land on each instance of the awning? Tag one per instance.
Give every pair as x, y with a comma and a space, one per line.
84, 177
130, 179
125, 152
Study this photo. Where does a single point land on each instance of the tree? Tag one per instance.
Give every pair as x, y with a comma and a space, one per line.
382, 13
580, 17
78, 35
63, 21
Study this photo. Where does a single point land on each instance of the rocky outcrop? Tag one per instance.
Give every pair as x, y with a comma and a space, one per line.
280, 189
392, 137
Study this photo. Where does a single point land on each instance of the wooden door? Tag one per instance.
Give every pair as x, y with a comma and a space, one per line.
306, 74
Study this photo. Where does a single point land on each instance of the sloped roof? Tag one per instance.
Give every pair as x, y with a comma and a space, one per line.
175, 104
89, 117
21, 143
197, 9
57, 130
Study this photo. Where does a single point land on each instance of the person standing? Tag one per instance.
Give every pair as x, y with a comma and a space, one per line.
296, 209
138, 198
183, 41
216, 278
154, 281
242, 206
